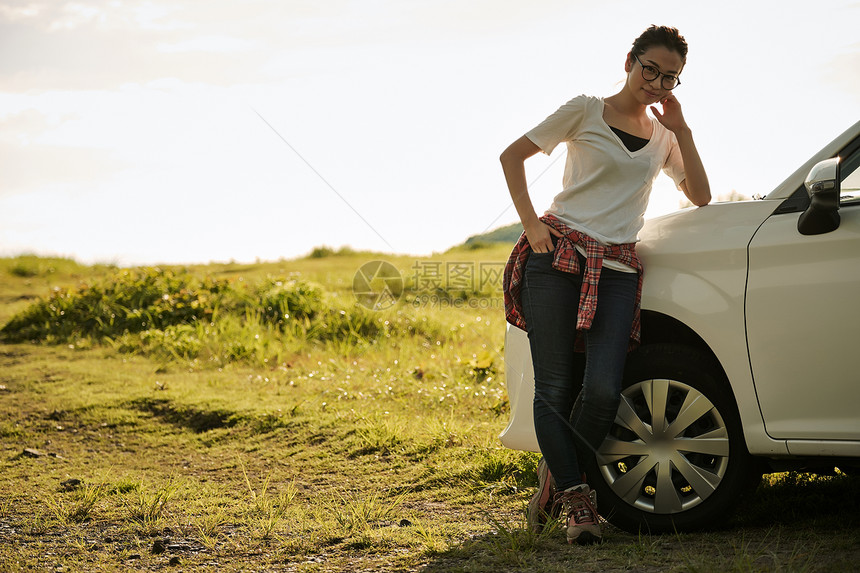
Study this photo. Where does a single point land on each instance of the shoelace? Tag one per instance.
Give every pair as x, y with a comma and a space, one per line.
577, 505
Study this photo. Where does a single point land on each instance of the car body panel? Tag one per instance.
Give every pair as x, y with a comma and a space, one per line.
823, 448
803, 324
520, 375
695, 271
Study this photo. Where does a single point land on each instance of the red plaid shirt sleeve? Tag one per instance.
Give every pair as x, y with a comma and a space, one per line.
565, 259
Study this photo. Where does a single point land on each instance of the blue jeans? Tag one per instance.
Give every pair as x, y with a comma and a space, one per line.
550, 300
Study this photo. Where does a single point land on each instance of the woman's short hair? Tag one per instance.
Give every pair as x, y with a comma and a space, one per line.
664, 36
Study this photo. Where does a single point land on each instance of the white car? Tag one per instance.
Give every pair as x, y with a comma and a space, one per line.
750, 322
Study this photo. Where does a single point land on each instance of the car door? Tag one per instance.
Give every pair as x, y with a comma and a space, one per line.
803, 322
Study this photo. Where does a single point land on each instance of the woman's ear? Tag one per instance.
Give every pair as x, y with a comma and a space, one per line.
628, 65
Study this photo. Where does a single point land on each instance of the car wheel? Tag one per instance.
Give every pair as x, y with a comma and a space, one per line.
675, 458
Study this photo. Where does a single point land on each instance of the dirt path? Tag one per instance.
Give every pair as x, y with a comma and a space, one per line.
104, 471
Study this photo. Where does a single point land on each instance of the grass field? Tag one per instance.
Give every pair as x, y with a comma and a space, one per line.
254, 417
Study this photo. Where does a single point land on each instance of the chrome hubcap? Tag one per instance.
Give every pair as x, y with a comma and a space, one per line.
668, 449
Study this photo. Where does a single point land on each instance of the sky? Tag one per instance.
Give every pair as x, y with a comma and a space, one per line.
188, 131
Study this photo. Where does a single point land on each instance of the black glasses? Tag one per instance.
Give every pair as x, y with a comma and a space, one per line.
650, 73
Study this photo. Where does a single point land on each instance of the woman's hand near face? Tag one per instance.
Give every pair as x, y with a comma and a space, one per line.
672, 118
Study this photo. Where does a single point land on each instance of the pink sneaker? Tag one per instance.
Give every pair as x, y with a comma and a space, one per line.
580, 513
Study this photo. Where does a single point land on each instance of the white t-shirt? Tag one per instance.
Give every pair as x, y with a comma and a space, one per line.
606, 186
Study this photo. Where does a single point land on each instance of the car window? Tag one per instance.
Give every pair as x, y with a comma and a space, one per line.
850, 184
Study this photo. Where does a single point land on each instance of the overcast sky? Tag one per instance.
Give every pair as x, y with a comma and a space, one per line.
140, 132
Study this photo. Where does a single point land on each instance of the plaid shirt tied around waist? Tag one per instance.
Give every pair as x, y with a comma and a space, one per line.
565, 259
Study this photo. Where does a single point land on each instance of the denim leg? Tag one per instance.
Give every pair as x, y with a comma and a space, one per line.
606, 352
550, 301
550, 304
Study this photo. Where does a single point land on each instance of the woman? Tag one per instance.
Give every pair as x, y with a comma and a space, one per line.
586, 240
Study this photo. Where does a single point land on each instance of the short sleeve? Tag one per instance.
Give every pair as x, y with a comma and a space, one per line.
560, 126
674, 165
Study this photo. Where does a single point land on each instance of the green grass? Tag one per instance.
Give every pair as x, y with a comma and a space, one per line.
223, 436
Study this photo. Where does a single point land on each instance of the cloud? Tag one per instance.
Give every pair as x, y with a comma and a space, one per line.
23, 125
211, 44
103, 44
18, 12
29, 167
40, 148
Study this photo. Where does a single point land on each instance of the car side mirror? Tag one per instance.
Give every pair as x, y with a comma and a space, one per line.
822, 184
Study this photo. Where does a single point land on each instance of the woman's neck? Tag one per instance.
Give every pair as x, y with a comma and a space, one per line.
625, 104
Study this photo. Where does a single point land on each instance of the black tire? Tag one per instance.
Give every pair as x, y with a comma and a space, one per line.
691, 474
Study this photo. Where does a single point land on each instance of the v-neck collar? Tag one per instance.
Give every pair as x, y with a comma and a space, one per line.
613, 135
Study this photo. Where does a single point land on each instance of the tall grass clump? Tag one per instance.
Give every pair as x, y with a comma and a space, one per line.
355, 513
145, 507
29, 266
80, 508
177, 315
130, 301
324, 251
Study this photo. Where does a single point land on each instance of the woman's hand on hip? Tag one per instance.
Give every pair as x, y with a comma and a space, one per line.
540, 235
